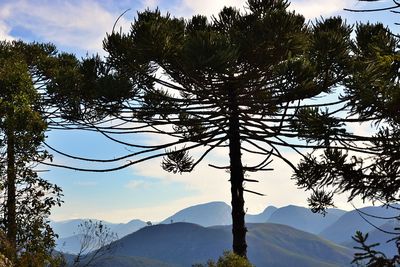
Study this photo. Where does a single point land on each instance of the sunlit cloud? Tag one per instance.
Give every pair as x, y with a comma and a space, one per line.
320, 8
212, 184
76, 24
187, 8
5, 32
4, 28
310, 9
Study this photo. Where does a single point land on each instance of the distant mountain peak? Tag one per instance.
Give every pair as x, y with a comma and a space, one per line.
206, 214
304, 219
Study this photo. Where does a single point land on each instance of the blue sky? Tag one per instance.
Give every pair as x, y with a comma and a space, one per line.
145, 191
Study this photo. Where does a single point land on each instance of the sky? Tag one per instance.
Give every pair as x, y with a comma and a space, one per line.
145, 191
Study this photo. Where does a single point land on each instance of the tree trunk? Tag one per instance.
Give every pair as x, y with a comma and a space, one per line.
11, 224
237, 177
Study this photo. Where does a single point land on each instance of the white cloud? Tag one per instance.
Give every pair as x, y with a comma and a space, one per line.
78, 24
205, 184
310, 9
317, 8
203, 179
206, 7
5, 32
4, 28
211, 184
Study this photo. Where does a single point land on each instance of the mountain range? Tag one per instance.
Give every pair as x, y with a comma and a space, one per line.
337, 226
304, 219
184, 244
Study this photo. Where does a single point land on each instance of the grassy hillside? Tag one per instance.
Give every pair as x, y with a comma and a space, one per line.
280, 245
117, 261
269, 245
126, 261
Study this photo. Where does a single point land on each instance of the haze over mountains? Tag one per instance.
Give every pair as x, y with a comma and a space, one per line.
352, 221
201, 232
304, 219
70, 227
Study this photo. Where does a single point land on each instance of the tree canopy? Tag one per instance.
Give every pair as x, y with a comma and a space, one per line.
371, 93
259, 81
238, 81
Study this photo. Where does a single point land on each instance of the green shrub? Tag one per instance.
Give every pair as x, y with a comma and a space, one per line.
228, 259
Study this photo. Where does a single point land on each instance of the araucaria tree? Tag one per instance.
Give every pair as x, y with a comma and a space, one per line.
246, 81
235, 81
371, 92
26, 199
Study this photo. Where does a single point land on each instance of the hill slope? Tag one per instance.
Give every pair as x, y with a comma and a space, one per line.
126, 261
274, 245
116, 261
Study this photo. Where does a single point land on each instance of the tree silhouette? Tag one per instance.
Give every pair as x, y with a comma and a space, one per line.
371, 92
236, 81
249, 82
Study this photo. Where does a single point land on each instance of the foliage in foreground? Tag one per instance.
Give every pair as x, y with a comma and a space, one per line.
96, 242
228, 259
370, 257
